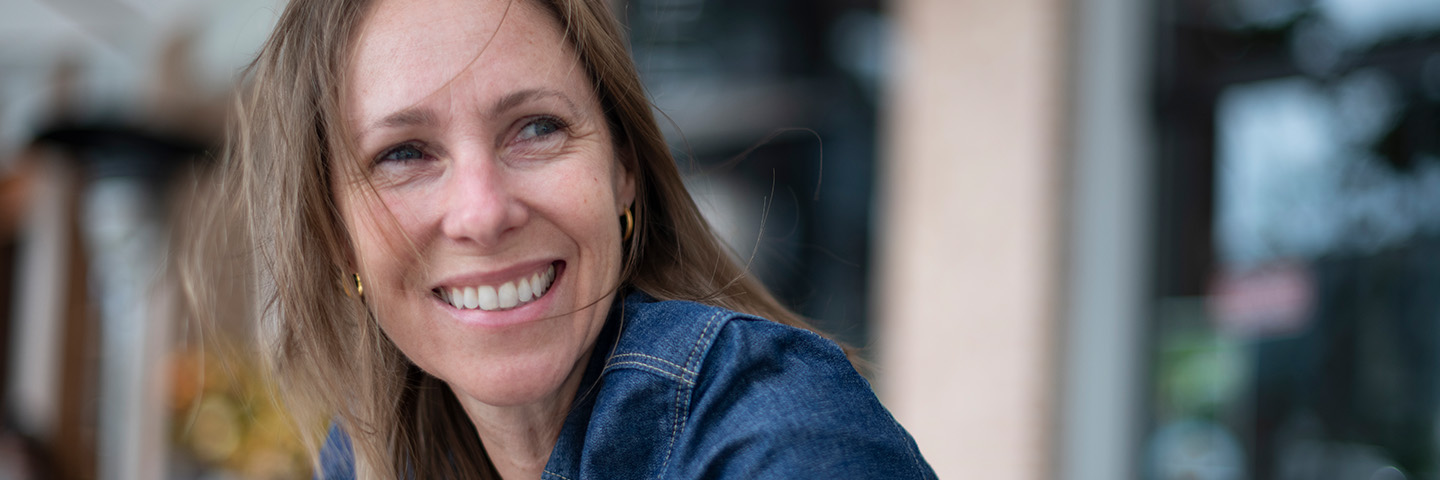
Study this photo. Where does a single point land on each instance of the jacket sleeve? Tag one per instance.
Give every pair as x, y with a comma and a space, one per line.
773, 401
337, 459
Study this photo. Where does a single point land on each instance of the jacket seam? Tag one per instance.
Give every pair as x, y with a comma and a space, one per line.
658, 359
679, 417
556, 474
655, 369
910, 449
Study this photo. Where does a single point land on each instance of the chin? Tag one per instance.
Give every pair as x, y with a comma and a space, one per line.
516, 383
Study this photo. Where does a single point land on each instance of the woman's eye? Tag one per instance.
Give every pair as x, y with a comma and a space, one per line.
402, 153
540, 127
404, 163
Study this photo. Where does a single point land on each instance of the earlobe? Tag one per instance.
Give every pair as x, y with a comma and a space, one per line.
626, 196
348, 260
350, 281
629, 225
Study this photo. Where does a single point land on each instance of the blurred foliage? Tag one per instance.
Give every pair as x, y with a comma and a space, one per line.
226, 417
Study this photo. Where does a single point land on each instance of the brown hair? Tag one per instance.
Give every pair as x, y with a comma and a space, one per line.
331, 360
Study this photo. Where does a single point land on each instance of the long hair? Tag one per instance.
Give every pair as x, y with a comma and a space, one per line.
275, 217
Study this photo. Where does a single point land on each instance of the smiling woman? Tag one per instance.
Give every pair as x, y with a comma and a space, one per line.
478, 261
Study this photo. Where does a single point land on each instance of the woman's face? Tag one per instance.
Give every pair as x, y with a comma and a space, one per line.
489, 246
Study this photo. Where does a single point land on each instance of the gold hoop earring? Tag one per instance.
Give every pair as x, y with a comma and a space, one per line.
359, 287
629, 225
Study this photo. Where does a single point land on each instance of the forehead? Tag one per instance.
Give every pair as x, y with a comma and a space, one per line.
411, 51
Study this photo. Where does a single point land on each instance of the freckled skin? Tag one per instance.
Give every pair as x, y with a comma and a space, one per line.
485, 195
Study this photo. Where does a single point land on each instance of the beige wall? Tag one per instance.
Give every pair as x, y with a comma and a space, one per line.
969, 232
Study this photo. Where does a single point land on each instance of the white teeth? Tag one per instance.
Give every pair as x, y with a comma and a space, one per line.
470, 300
507, 295
522, 290
488, 299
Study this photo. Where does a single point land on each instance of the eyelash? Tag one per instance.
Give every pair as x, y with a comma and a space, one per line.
557, 125
416, 146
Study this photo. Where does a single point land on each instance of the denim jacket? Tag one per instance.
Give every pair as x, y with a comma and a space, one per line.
684, 390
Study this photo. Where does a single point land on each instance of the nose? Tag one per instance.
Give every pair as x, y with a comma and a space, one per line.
479, 207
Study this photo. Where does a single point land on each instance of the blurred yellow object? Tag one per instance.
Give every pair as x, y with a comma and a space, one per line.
226, 419
215, 435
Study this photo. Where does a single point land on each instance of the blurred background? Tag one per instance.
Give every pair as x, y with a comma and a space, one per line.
1094, 239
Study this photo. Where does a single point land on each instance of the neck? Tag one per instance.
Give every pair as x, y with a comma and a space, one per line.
518, 439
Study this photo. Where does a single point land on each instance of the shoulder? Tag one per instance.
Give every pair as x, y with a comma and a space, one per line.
692, 343
701, 344
780, 402
759, 399
669, 337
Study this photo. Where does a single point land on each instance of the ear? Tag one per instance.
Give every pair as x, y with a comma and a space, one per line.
345, 257
625, 185
348, 261
346, 252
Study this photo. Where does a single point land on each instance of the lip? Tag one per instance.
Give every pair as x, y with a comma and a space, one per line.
503, 318
496, 277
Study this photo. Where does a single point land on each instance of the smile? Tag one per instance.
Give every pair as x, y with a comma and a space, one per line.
505, 296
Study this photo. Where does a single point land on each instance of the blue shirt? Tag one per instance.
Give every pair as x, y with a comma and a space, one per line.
683, 390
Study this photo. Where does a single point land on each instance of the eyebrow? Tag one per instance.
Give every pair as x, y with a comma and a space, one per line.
519, 98
410, 117
424, 117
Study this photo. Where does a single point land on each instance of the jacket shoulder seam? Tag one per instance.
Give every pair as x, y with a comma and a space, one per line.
682, 392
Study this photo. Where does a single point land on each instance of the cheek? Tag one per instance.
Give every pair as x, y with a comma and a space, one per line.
414, 337
381, 242
590, 211
368, 235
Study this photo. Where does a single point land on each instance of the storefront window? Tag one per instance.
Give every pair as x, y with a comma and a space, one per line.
1297, 312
